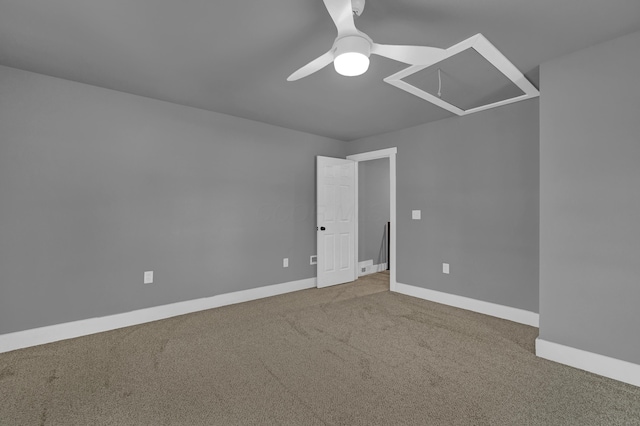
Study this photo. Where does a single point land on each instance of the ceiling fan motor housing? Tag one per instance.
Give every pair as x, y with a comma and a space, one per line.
353, 43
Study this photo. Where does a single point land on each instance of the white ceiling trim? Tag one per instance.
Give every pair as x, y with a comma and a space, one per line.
481, 45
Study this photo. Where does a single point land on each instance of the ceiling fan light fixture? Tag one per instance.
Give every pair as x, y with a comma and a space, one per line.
351, 64
352, 56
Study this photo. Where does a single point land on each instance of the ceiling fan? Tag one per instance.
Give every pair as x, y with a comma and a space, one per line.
351, 49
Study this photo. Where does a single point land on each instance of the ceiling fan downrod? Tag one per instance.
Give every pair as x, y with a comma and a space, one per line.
357, 6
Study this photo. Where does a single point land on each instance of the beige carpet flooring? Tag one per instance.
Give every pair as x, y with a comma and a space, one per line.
353, 354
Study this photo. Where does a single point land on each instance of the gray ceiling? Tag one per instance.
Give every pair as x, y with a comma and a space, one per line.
233, 56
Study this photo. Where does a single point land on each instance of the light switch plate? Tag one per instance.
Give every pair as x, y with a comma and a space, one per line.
416, 214
445, 268
148, 277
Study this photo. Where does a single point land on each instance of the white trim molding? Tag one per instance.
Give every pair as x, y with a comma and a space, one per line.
69, 330
480, 44
373, 155
389, 153
370, 268
500, 311
603, 365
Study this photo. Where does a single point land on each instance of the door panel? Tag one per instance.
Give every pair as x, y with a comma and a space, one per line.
345, 245
336, 214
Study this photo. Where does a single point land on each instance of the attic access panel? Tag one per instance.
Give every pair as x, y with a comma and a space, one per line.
465, 80
474, 76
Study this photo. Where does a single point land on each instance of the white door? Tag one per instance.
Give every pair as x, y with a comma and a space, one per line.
335, 205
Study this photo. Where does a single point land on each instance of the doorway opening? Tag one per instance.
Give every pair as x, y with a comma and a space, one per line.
379, 234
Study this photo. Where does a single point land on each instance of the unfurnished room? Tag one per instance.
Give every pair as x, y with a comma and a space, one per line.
319, 212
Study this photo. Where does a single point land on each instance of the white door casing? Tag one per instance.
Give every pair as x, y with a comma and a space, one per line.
389, 153
335, 182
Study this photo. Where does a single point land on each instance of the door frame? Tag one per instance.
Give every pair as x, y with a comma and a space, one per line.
389, 153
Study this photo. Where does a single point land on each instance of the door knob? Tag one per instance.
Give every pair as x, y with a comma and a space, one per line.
322, 228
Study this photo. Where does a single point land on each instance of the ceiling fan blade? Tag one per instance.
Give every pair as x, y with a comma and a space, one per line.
313, 66
342, 14
412, 55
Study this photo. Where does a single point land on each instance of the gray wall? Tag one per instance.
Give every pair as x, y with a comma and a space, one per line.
475, 178
97, 186
590, 199
373, 210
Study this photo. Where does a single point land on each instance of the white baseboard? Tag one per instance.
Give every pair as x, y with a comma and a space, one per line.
69, 330
370, 268
603, 365
380, 267
505, 312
